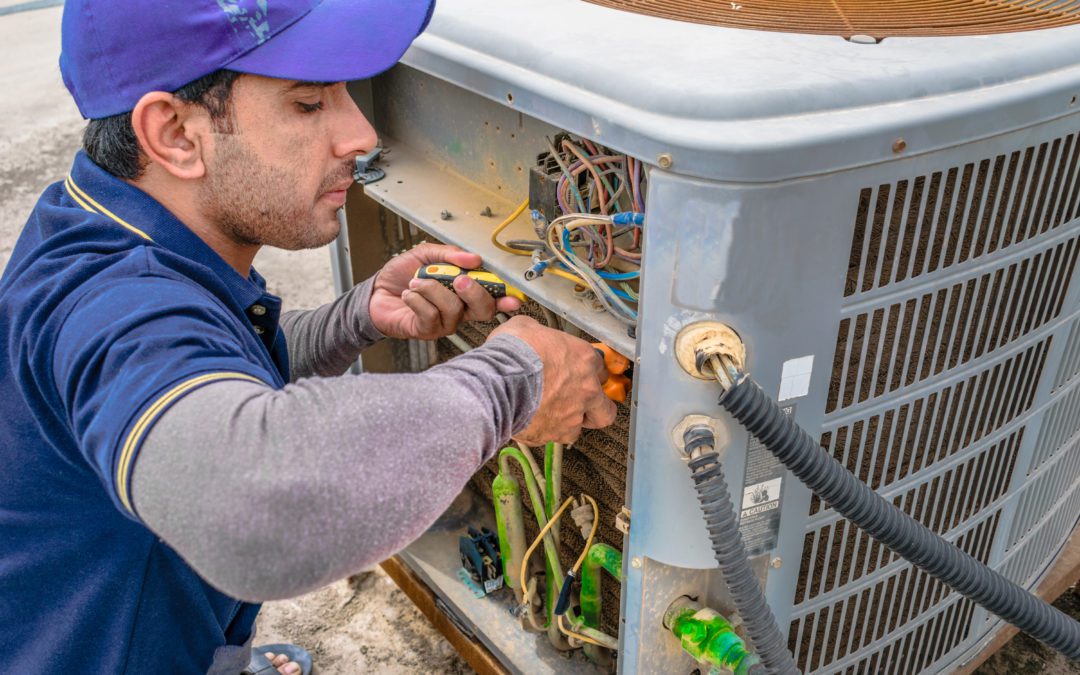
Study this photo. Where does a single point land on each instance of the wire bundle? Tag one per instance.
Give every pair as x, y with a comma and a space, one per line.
596, 242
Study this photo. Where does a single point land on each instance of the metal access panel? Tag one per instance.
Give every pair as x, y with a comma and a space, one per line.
891, 228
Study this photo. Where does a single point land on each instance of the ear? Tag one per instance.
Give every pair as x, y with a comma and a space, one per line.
170, 133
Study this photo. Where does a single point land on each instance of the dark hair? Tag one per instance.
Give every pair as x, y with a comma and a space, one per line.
111, 141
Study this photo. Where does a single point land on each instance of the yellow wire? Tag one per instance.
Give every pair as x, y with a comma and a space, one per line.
526, 591
536, 542
566, 275
592, 534
506, 223
577, 636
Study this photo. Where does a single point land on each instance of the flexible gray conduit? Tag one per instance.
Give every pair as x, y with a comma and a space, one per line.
901, 533
723, 526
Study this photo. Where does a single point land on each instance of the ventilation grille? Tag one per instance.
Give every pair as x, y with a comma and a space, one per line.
842, 554
880, 351
905, 439
1043, 541
906, 608
955, 280
1070, 360
1060, 424
864, 17
920, 225
1042, 492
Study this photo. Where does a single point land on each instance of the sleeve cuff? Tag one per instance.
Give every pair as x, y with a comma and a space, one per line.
360, 303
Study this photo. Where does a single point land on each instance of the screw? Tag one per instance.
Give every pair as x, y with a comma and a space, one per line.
446, 215
899, 145
635, 562
486, 212
776, 563
664, 160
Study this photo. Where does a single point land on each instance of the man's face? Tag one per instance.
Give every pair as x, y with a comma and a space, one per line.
277, 171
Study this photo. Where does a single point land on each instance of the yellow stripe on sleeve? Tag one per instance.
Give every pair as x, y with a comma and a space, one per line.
98, 208
148, 417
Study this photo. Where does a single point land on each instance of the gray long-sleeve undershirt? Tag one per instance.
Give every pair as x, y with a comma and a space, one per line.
327, 340
269, 494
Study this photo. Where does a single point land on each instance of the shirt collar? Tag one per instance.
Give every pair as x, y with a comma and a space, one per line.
98, 191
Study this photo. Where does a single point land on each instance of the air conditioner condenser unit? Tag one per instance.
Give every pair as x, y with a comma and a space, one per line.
881, 200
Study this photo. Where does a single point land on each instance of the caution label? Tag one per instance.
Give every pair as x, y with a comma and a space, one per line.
762, 497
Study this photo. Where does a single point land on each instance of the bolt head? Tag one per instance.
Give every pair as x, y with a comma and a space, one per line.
445, 215
776, 563
899, 145
635, 562
664, 160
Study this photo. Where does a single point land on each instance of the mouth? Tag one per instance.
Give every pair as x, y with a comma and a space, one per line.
336, 193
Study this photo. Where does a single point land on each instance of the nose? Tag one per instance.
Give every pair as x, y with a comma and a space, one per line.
355, 135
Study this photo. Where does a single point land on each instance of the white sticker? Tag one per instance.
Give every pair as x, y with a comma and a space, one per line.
761, 497
795, 377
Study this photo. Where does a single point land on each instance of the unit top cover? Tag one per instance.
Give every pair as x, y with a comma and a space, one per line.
754, 105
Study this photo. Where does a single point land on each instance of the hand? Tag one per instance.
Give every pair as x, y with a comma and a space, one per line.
574, 376
405, 307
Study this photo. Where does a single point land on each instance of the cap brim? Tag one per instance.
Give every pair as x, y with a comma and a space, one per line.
339, 40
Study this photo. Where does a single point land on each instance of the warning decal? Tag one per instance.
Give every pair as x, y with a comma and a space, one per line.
759, 522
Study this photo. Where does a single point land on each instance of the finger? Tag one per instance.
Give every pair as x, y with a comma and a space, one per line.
479, 305
600, 364
430, 253
427, 315
570, 435
446, 301
455, 256
507, 304
600, 414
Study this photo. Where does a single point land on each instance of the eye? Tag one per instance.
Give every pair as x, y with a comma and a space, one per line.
310, 107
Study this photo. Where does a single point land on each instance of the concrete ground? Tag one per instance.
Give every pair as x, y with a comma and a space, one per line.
363, 624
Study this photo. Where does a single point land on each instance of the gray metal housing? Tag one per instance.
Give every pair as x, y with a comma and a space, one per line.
904, 212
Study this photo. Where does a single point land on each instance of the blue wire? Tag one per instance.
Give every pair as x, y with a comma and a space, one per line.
618, 276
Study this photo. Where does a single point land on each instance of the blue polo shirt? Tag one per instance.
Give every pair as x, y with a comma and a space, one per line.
111, 310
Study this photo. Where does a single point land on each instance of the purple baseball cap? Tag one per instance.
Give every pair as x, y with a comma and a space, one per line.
115, 51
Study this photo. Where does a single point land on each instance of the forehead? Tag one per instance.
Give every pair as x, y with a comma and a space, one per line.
257, 87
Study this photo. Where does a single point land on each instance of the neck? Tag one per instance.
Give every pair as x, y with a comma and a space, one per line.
181, 199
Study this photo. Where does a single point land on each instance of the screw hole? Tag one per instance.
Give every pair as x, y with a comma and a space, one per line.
400, 182
509, 97
1072, 101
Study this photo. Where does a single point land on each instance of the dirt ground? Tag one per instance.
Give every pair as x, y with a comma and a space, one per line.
364, 624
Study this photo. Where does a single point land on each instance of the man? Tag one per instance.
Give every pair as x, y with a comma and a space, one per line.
173, 447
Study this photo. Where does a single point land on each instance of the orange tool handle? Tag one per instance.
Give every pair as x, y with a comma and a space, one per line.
618, 384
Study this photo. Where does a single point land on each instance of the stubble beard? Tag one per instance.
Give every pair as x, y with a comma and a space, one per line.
254, 204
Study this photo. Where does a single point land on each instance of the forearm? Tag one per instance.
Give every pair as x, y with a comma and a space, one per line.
327, 340
268, 494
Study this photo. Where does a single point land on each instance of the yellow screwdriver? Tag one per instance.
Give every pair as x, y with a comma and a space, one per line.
445, 273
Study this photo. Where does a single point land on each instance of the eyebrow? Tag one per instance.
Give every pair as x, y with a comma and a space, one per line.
301, 84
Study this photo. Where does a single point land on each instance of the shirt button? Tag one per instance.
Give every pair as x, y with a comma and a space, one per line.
258, 310
259, 330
